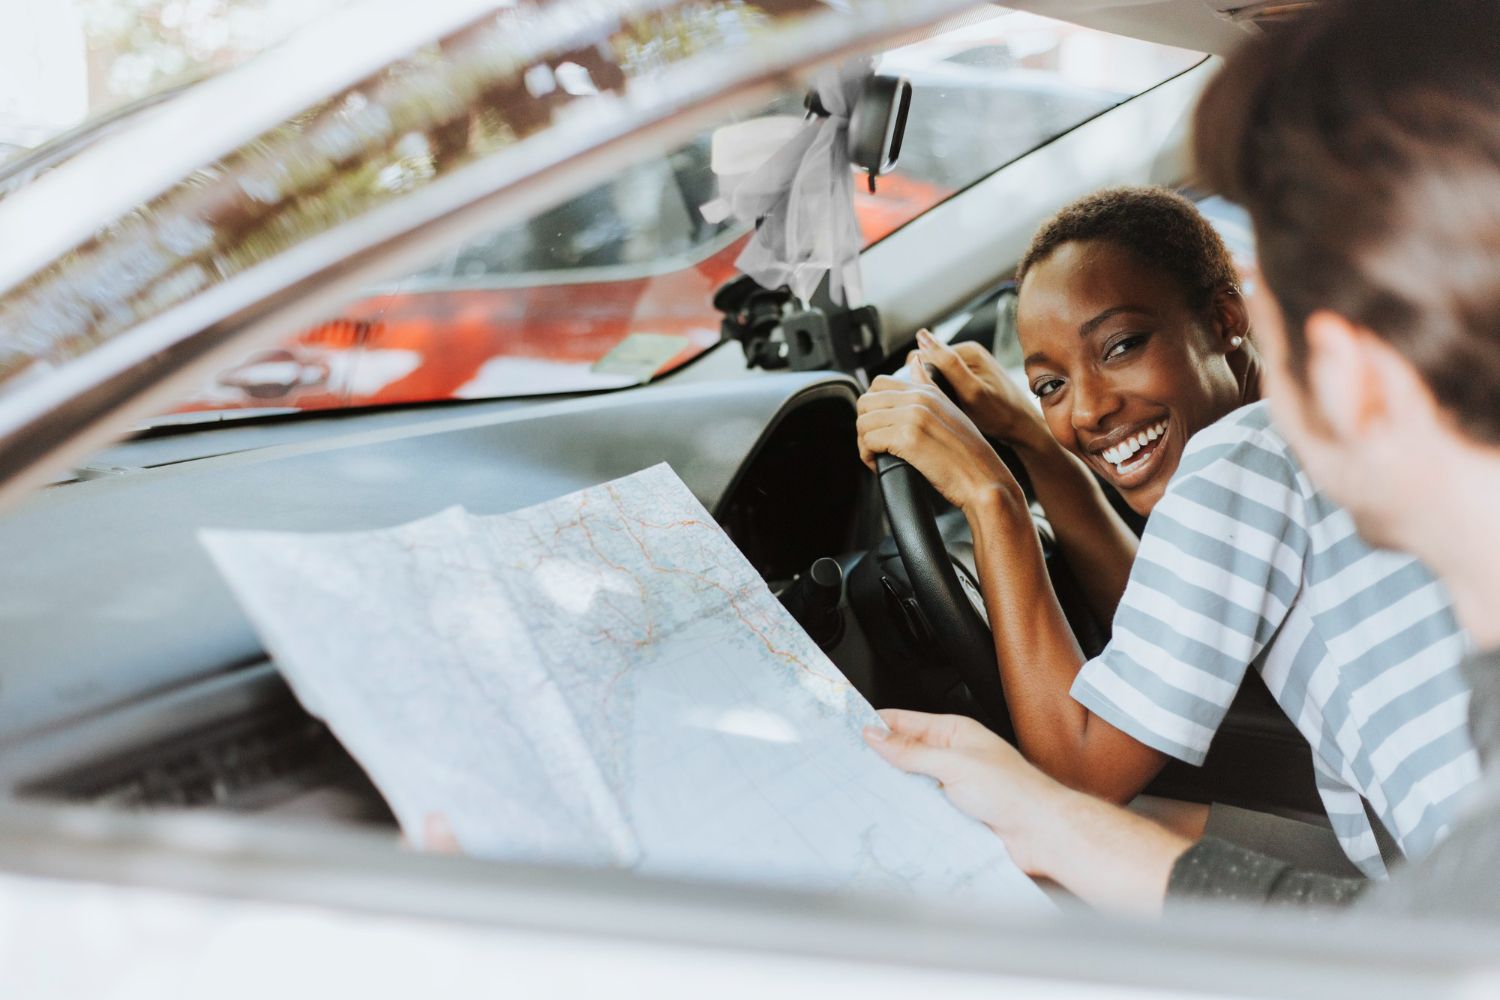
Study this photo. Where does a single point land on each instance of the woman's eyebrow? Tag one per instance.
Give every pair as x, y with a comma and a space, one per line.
1088, 328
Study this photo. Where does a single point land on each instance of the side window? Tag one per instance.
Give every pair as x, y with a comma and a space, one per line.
992, 90
989, 320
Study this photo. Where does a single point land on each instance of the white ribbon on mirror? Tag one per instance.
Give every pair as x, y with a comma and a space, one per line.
794, 181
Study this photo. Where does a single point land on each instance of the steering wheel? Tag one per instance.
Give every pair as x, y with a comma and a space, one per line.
961, 634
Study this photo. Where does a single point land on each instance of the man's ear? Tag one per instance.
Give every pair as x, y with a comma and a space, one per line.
1342, 381
1362, 385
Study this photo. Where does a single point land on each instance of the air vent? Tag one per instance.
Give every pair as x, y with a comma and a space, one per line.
250, 764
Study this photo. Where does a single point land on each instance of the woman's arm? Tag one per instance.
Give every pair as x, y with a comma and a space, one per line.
1095, 542
1039, 658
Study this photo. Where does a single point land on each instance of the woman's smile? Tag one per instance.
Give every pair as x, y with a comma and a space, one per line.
1128, 361
1131, 458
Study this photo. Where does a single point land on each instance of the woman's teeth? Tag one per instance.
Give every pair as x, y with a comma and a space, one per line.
1119, 455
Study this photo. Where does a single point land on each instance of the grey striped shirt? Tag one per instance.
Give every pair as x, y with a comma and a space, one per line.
1244, 563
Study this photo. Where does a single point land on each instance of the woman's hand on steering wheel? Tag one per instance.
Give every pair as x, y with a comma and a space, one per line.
999, 407
916, 422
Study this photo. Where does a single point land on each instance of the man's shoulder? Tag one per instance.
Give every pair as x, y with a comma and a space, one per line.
1242, 442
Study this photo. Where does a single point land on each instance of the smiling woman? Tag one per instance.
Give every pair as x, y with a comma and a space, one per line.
1137, 345
1135, 334
1135, 339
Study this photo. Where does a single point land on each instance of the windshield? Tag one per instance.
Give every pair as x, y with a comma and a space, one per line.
615, 287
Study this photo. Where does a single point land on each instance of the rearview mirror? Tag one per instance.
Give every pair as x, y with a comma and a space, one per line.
878, 124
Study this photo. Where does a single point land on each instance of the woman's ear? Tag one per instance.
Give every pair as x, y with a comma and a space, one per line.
1231, 320
1231, 330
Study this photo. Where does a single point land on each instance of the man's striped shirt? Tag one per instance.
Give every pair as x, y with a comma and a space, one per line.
1243, 563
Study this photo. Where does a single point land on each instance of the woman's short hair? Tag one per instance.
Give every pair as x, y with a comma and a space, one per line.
1365, 144
1159, 227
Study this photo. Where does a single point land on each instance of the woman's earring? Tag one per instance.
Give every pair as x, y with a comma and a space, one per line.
1235, 342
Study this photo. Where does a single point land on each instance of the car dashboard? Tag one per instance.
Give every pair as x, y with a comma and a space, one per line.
133, 680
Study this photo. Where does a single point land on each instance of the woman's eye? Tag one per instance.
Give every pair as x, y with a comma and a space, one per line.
1046, 387
1124, 345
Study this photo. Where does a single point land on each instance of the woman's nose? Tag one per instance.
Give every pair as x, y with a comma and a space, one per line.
1094, 399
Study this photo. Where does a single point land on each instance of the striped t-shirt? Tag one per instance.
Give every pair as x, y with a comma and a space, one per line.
1244, 563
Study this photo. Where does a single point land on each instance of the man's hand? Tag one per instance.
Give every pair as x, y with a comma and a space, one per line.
917, 423
1104, 854
988, 396
981, 774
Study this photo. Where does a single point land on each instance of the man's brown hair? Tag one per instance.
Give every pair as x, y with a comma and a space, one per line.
1365, 144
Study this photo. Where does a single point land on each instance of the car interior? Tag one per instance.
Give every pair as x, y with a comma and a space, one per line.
133, 680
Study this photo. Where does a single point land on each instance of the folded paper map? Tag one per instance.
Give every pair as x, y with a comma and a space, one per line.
602, 679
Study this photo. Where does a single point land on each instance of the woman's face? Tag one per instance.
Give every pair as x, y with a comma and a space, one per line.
1125, 369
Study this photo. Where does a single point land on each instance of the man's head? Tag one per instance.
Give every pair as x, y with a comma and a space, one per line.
1365, 144
1134, 333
